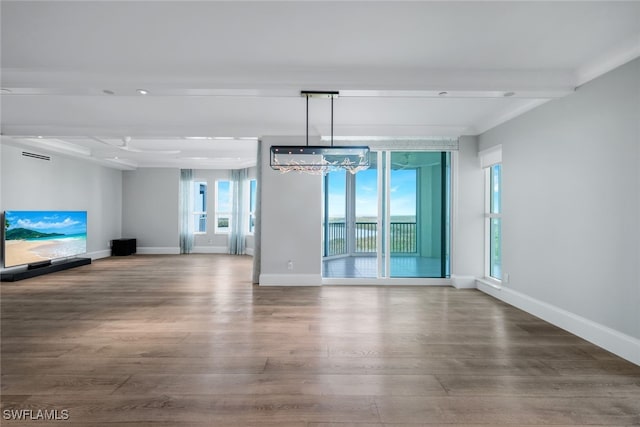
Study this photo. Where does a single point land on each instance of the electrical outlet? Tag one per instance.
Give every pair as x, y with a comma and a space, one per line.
506, 278
289, 265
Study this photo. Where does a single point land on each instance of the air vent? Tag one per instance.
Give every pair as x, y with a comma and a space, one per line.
36, 156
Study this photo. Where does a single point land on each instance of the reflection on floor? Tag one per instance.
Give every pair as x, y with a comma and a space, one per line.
367, 267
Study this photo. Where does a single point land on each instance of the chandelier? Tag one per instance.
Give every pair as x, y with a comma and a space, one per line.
319, 159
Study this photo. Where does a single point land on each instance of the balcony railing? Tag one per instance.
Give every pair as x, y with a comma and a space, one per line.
337, 239
403, 236
366, 233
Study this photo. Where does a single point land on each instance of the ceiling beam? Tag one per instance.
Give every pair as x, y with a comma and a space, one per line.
286, 82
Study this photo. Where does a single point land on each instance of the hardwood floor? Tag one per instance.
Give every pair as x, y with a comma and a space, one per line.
188, 341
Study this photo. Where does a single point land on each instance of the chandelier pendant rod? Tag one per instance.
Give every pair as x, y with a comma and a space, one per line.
332, 120
307, 119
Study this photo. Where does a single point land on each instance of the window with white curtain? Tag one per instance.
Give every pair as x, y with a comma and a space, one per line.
224, 203
199, 210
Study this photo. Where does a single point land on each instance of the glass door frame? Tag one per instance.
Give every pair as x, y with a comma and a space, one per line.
383, 231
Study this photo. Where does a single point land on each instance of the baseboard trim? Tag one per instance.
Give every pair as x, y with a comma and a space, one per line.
609, 339
463, 282
394, 281
158, 250
210, 250
105, 253
290, 280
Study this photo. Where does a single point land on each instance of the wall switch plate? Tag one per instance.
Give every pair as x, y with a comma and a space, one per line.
289, 265
506, 277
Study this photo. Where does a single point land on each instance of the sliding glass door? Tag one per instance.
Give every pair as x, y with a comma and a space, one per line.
417, 214
335, 214
351, 223
390, 221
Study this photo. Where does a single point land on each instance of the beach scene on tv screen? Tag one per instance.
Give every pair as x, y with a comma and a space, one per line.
36, 236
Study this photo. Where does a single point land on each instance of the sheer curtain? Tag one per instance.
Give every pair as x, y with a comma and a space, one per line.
239, 212
186, 219
257, 241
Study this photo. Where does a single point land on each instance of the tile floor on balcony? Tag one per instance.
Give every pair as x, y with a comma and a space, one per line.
367, 267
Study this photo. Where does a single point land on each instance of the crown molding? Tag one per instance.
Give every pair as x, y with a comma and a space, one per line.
497, 119
623, 53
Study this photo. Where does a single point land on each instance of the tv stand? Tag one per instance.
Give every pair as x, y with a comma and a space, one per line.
38, 265
43, 269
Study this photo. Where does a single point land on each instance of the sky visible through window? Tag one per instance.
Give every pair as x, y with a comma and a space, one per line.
200, 197
403, 193
224, 196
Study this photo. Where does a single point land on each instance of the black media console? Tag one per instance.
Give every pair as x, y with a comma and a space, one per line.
51, 268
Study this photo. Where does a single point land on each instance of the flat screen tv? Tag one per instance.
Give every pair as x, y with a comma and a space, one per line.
32, 237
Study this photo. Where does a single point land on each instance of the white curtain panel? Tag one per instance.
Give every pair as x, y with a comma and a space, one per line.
240, 211
186, 218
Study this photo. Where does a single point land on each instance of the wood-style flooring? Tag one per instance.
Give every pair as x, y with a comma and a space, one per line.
189, 341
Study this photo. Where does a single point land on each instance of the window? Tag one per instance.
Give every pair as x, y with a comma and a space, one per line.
252, 206
494, 221
199, 209
223, 206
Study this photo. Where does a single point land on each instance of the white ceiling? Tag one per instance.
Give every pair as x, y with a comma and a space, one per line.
236, 69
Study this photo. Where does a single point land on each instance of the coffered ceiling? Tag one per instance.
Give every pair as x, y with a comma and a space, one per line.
73, 72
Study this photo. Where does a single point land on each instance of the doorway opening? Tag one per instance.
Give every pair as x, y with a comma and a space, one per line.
389, 221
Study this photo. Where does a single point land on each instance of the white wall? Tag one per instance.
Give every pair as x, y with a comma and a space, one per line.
64, 183
571, 179
291, 222
150, 204
467, 258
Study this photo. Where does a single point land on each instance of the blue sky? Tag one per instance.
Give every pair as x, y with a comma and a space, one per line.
224, 196
403, 193
62, 222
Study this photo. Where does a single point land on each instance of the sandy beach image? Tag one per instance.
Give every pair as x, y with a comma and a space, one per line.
24, 252
36, 236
